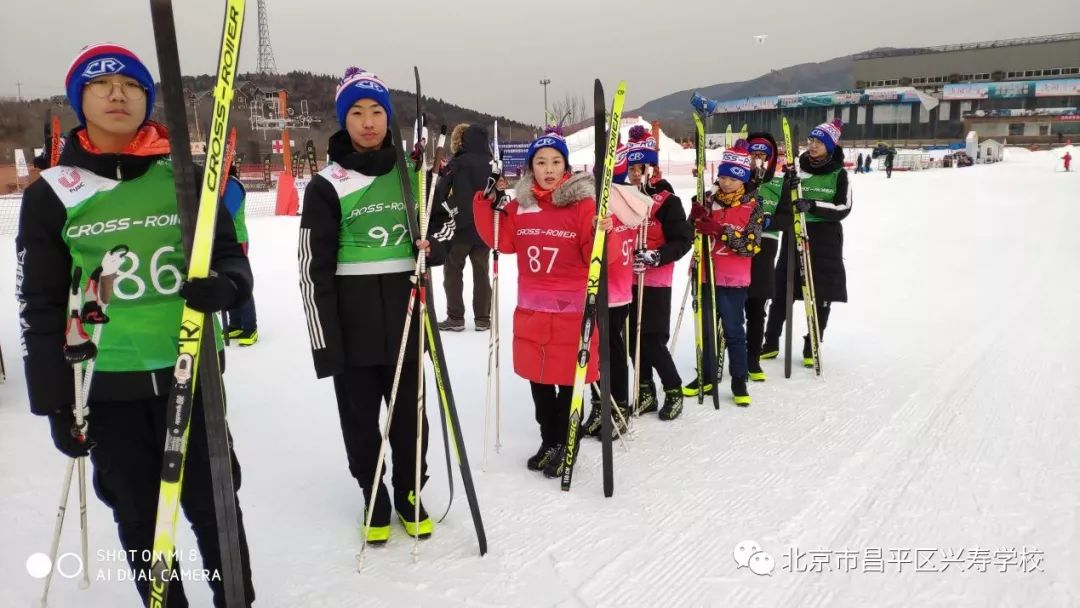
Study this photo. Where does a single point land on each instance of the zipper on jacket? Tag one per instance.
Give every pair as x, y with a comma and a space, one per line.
153, 376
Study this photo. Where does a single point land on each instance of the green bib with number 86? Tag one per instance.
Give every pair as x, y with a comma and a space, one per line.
139, 215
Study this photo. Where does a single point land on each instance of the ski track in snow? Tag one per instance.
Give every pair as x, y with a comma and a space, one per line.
946, 419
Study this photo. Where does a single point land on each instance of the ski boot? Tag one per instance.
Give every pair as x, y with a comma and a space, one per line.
620, 418
646, 402
543, 456
739, 392
756, 373
557, 465
246, 337
591, 427
769, 350
673, 402
379, 532
691, 390
405, 503
807, 352
232, 333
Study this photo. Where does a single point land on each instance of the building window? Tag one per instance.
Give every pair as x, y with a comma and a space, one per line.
1016, 129
943, 110
1055, 72
845, 114
860, 115
924, 114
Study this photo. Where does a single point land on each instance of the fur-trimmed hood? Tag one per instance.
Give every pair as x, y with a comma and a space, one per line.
457, 137
580, 186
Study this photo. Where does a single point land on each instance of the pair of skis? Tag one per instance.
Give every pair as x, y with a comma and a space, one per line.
197, 205
799, 246
596, 299
709, 354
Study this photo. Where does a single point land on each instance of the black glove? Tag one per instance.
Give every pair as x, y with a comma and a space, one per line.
791, 178
804, 205
646, 258
212, 294
66, 437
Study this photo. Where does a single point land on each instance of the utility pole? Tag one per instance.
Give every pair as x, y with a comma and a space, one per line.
18, 85
544, 82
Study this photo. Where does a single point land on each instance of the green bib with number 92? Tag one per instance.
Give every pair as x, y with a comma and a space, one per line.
374, 233
138, 215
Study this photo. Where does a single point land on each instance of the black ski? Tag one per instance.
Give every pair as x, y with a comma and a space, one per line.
604, 321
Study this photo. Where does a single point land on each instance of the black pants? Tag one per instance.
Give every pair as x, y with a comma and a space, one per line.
242, 317
453, 285
552, 405
778, 314
617, 341
360, 394
655, 332
755, 331
130, 437
888, 171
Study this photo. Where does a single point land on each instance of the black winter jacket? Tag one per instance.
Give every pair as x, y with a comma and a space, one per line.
353, 320
464, 176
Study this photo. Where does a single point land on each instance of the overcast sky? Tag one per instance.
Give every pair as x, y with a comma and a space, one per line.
490, 55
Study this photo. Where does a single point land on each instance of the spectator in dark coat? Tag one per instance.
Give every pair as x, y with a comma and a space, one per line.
890, 156
462, 178
859, 164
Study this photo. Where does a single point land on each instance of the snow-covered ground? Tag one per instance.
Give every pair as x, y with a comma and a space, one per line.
942, 441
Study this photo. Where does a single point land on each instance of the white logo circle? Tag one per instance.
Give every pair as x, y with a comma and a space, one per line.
38, 565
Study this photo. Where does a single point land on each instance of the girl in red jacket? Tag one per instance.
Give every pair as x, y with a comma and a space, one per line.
733, 220
550, 226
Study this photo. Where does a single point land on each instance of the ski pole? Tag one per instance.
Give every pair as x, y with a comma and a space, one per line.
682, 310
493, 350
636, 386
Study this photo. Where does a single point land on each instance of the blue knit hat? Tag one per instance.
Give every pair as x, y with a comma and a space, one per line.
760, 145
552, 138
642, 147
105, 59
828, 133
735, 163
357, 84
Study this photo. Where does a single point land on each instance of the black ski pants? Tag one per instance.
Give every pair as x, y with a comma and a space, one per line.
552, 403
360, 393
130, 439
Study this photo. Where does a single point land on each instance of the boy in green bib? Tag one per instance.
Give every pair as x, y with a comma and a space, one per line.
357, 258
106, 220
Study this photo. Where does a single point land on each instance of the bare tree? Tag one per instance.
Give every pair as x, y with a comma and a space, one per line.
568, 110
